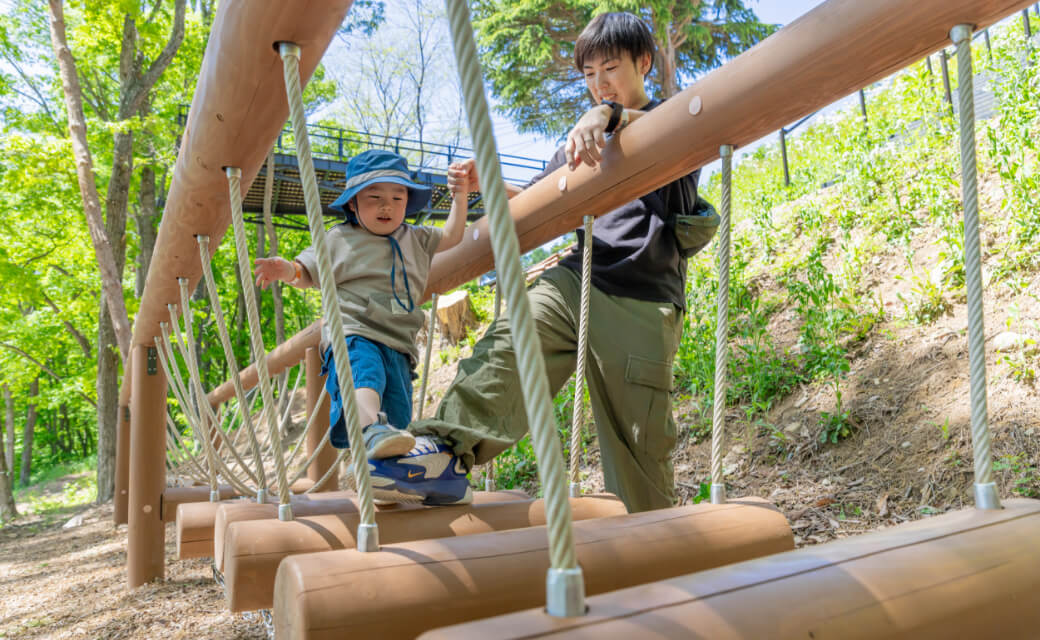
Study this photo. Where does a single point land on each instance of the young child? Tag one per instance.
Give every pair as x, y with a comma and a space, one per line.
380, 265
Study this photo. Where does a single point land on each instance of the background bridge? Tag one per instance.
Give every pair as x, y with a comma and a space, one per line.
332, 148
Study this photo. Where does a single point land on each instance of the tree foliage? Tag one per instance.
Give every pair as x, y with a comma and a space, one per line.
527, 48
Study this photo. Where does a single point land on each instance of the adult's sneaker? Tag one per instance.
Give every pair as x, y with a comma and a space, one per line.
385, 441
430, 473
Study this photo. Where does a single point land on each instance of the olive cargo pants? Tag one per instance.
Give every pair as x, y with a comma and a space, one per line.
629, 369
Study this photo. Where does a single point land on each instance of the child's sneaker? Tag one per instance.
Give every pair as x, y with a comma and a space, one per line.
430, 473
385, 441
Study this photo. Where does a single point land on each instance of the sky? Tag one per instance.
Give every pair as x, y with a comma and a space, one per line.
780, 12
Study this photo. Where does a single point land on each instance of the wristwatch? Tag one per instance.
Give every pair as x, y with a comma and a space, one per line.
618, 117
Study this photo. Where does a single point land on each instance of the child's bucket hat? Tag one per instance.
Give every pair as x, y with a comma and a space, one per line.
378, 165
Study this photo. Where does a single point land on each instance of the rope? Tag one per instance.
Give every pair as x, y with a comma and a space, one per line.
177, 386
510, 274
229, 358
190, 358
234, 176
973, 268
178, 448
578, 417
272, 248
166, 358
330, 308
426, 358
718, 425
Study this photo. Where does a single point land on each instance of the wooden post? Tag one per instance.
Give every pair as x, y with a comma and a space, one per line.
783, 154
122, 495
146, 536
1025, 23
324, 461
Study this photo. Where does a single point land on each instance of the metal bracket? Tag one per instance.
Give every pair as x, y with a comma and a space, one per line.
153, 361
126, 414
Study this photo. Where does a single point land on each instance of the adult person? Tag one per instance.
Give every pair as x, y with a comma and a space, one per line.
635, 320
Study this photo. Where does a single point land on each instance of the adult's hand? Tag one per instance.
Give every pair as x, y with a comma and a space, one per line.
587, 137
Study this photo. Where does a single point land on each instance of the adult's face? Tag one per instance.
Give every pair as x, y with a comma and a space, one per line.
617, 78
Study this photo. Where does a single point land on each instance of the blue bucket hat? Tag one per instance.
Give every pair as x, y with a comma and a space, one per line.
378, 165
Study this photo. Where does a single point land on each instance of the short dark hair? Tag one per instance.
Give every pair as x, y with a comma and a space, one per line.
610, 35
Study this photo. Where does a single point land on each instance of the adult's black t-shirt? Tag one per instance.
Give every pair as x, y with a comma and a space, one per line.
634, 252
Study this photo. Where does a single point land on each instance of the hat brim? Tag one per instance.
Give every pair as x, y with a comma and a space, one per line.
418, 195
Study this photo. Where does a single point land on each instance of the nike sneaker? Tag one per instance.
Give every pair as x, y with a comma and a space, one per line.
430, 474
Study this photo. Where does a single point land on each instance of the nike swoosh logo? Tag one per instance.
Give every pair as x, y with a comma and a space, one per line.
412, 475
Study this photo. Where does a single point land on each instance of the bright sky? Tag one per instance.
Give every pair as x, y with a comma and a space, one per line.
509, 141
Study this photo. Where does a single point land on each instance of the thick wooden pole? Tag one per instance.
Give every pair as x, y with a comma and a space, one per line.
834, 50
122, 493
146, 536
324, 460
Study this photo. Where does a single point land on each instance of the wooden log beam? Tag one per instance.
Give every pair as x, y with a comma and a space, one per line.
282, 357
834, 50
967, 574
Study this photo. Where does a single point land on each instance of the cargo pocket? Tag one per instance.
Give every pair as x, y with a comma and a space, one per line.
694, 232
649, 386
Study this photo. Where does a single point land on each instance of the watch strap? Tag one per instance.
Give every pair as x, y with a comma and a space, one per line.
615, 115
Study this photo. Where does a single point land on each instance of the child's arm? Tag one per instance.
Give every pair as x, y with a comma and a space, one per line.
456, 223
268, 270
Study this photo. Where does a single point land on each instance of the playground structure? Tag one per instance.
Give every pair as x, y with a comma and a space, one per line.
896, 583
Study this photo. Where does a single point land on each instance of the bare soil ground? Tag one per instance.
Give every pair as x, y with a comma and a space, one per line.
909, 457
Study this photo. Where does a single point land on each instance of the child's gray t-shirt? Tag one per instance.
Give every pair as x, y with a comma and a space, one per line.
361, 265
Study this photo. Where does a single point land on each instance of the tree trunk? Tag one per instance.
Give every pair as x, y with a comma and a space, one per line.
9, 419
146, 227
666, 67
107, 406
27, 435
111, 278
116, 204
8, 510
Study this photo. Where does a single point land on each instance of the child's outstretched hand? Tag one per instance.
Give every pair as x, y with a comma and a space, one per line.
462, 177
268, 270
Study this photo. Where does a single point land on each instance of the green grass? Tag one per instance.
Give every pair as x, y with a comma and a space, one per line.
79, 491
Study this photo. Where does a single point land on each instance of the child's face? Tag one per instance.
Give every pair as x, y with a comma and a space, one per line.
617, 78
381, 206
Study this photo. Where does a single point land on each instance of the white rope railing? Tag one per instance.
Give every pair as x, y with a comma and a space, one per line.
368, 533
565, 589
986, 496
188, 353
234, 177
718, 424
232, 362
578, 415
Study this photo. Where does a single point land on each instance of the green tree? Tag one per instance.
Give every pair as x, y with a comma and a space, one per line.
527, 47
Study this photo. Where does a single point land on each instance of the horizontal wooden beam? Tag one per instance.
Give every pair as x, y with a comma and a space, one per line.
834, 50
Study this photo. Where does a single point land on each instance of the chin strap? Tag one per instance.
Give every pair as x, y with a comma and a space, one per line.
395, 254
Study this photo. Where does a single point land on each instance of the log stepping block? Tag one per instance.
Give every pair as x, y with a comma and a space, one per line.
966, 574
253, 549
200, 526
173, 497
339, 594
